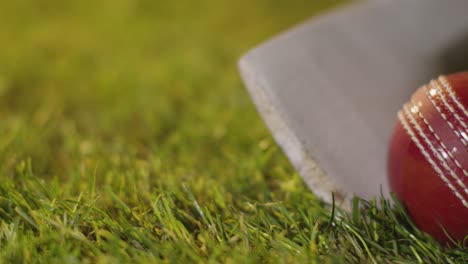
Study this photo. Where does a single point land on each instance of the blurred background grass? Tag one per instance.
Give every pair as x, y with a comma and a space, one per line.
88, 85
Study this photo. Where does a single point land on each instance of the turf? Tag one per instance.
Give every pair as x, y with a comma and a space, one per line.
127, 136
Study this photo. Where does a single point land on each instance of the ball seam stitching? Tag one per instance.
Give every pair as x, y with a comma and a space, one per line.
433, 148
447, 104
428, 157
444, 116
443, 80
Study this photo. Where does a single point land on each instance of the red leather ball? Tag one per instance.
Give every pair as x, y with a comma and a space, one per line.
428, 158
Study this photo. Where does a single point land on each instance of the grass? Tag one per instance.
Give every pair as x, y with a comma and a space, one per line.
127, 136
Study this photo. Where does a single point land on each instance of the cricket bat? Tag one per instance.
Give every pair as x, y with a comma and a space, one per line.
329, 89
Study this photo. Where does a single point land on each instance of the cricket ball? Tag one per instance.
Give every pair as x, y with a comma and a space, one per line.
428, 158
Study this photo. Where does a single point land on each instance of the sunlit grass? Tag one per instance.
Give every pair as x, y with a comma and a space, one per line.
127, 135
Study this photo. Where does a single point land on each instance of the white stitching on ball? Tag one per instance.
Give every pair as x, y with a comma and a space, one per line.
429, 159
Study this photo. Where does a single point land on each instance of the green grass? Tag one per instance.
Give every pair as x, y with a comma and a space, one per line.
126, 135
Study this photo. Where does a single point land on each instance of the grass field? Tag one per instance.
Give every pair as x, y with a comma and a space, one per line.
126, 135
